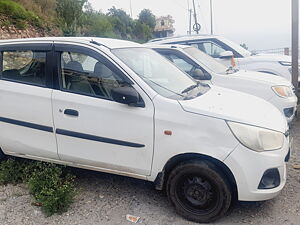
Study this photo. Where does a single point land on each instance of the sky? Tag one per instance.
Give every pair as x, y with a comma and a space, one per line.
260, 24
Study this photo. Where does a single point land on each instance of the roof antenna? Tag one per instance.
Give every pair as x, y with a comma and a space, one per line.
99, 44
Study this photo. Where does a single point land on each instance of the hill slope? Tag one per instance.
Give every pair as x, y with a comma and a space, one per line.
18, 22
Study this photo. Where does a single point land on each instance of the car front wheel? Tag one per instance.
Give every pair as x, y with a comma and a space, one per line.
199, 191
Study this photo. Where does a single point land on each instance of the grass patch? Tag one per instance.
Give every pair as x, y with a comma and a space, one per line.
51, 185
18, 15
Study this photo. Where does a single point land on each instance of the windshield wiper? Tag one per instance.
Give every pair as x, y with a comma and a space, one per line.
231, 70
161, 86
189, 88
202, 87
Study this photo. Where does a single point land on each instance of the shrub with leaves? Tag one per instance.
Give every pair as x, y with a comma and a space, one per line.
52, 187
12, 171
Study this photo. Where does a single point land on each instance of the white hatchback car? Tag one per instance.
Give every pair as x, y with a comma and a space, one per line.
201, 66
222, 49
118, 107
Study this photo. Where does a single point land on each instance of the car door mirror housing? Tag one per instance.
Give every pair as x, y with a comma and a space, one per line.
198, 74
127, 95
226, 55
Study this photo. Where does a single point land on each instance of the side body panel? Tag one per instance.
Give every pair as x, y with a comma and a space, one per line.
191, 133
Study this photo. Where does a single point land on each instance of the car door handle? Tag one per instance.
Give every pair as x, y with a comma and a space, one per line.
71, 112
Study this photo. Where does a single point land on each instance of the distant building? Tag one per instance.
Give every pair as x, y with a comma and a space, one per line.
164, 27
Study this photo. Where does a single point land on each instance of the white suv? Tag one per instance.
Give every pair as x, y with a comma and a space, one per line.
223, 50
118, 107
201, 66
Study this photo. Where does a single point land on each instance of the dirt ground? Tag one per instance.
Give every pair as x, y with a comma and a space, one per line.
107, 199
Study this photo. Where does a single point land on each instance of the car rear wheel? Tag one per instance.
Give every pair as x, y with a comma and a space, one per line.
199, 191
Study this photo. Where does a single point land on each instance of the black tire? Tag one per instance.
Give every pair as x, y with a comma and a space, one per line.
199, 191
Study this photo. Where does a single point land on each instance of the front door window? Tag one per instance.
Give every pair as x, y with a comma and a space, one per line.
86, 75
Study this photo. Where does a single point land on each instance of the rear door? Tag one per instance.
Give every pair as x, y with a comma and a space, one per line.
26, 123
91, 128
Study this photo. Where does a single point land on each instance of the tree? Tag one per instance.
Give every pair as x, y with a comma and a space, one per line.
46, 5
142, 32
96, 23
122, 23
146, 17
69, 13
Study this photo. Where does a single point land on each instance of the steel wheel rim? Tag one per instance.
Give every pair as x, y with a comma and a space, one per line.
197, 194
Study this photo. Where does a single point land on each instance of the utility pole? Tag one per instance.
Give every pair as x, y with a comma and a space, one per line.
190, 24
295, 43
211, 18
130, 8
195, 16
190, 18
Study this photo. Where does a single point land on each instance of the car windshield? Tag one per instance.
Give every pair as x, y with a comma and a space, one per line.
206, 60
161, 75
236, 47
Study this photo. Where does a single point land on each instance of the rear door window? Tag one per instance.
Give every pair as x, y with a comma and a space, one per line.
24, 66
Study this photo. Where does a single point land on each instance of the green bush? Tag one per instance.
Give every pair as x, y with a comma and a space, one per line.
51, 185
12, 171
52, 188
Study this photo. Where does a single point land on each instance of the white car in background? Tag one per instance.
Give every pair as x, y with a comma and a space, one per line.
201, 66
223, 50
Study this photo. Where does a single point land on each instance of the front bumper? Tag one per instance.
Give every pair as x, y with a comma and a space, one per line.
248, 168
287, 106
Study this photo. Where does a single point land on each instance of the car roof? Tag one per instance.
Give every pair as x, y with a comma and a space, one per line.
167, 46
107, 42
182, 38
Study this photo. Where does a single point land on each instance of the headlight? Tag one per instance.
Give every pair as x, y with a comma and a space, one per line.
256, 138
285, 63
283, 91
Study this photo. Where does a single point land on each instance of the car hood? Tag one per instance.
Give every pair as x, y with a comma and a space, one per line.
261, 77
271, 57
236, 106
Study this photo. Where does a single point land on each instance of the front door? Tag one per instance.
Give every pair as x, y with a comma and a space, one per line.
91, 128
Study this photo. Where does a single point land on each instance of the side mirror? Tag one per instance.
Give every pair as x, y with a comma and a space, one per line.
198, 74
127, 96
226, 55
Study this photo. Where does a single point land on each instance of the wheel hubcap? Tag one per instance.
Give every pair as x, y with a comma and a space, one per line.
197, 191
